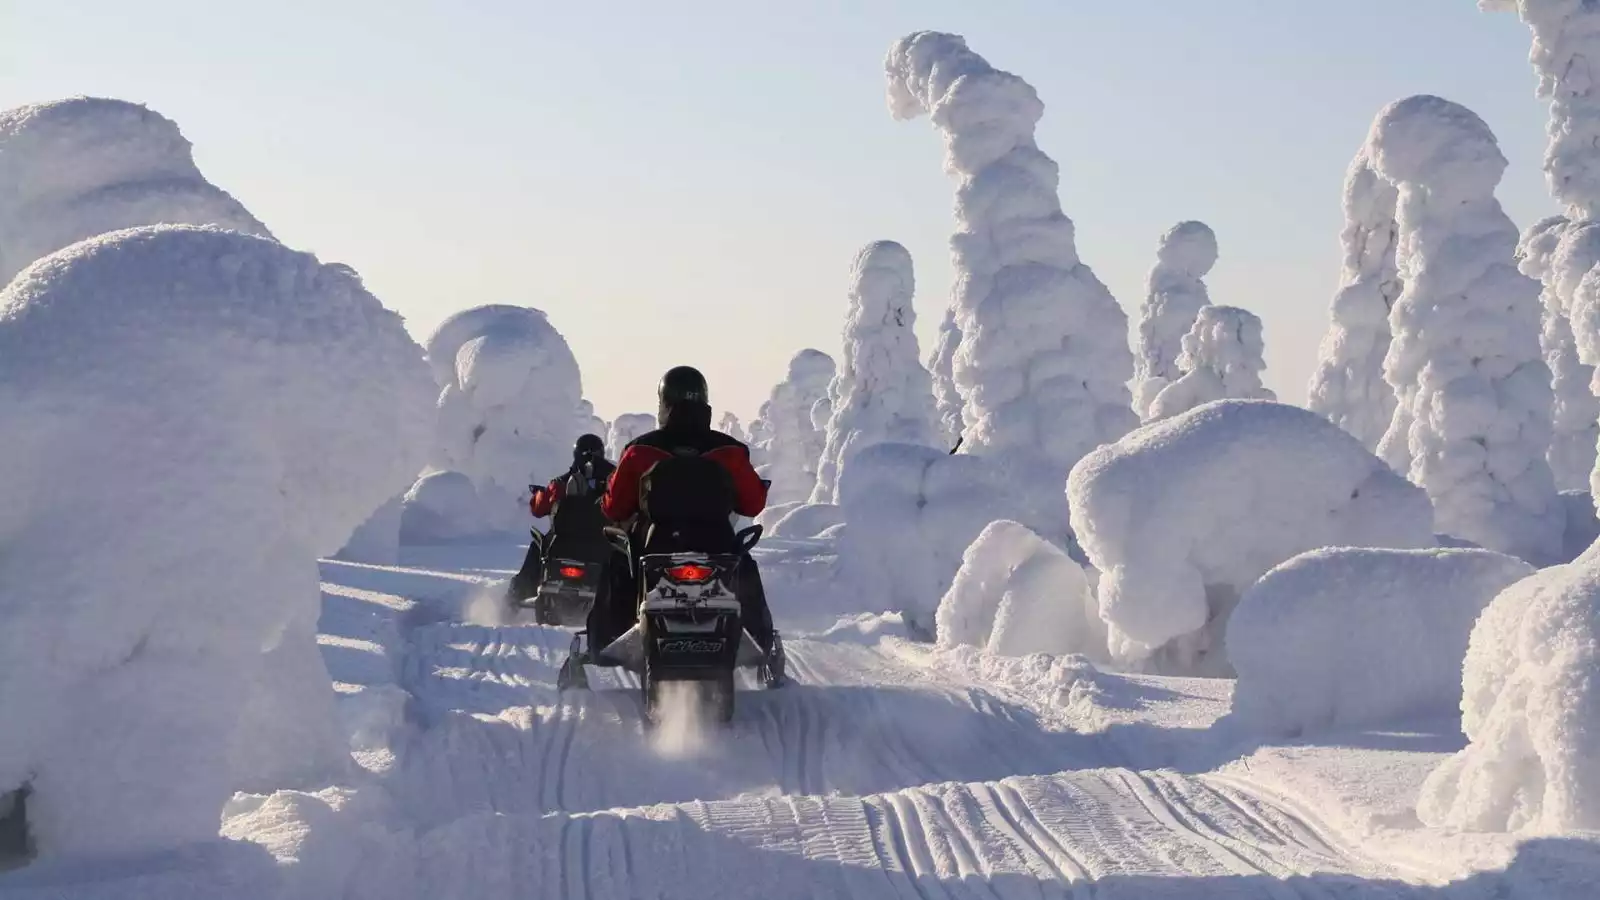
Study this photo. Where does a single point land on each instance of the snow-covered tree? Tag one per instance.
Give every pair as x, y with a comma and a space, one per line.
590, 422
73, 169
283, 404
1043, 364
1222, 359
1472, 421
1175, 295
627, 427
1566, 41
793, 444
511, 404
729, 425
1574, 417
1348, 386
941, 363
881, 392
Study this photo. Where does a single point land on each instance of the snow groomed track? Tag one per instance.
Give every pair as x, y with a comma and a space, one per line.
879, 772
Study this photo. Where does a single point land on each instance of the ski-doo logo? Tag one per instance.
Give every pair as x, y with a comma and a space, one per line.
675, 646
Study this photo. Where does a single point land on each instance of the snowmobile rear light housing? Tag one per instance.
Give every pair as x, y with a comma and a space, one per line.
571, 571
690, 573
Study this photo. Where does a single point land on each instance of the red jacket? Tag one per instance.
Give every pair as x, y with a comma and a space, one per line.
622, 495
545, 499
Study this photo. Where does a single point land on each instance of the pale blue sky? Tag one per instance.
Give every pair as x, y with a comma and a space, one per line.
694, 177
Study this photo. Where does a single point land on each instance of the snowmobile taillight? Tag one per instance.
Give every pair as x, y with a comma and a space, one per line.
690, 573
571, 571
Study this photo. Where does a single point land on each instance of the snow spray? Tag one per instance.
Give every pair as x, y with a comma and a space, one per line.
681, 725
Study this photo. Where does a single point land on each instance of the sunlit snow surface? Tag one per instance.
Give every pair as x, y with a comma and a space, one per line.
887, 769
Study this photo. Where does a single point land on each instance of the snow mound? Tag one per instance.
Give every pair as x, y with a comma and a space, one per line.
775, 513
1222, 359
911, 512
1473, 419
792, 448
510, 409
1017, 594
1348, 386
1530, 709
1044, 362
440, 507
283, 403
1357, 638
377, 540
807, 520
881, 393
1185, 513
72, 169
1174, 297
625, 429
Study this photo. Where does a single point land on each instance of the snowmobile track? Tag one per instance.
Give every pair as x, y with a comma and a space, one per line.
902, 782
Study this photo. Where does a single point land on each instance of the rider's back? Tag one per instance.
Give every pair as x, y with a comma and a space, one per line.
692, 472
577, 521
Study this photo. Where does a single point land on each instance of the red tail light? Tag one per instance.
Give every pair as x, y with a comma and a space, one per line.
690, 573
571, 571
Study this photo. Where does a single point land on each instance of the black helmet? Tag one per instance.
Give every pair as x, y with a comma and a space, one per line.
589, 445
683, 384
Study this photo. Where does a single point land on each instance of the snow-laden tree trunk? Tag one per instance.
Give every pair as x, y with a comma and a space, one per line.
1575, 413
881, 392
793, 444
1348, 387
1043, 364
1474, 399
1223, 357
1174, 297
1565, 55
941, 364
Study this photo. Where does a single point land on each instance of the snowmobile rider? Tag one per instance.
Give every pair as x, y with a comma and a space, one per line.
572, 499
684, 416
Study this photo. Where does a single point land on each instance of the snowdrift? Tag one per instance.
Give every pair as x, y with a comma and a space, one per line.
1017, 594
910, 513
208, 414
1358, 638
1184, 514
807, 520
1531, 709
73, 169
510, 408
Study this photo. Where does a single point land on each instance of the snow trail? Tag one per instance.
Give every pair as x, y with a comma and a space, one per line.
885, 769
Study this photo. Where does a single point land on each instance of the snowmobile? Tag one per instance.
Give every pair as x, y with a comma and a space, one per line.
689, 629
566, 591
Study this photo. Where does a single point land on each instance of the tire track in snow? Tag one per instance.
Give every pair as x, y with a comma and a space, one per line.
1016, 821
1162, 811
